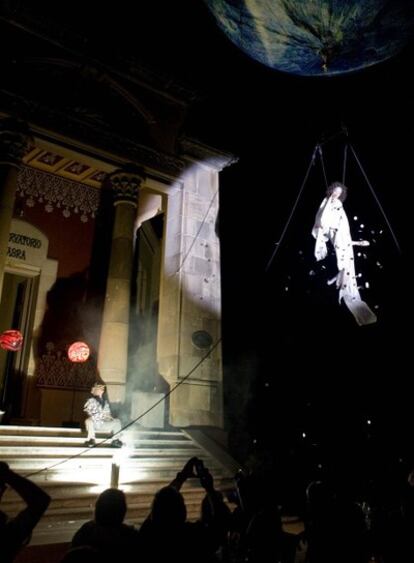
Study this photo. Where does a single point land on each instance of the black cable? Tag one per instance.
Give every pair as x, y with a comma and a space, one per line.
282, 236
344, 164
323, 166
377, 200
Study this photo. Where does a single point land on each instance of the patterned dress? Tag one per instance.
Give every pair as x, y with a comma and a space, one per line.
100, 418
331, 225
98, 411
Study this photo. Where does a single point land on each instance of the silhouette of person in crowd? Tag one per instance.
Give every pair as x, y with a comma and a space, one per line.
167, 535
15, 532
107, 533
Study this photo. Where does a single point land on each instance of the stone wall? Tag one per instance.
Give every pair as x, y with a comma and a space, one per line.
190, 300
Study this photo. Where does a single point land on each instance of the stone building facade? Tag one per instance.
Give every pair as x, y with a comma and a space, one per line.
107, 235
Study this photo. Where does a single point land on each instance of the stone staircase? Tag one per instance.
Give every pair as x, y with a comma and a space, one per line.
57, 460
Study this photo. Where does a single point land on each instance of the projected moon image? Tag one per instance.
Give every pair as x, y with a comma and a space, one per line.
317, 37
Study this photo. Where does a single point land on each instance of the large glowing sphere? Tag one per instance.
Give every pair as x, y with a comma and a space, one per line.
78, 352
11, 340
316, 37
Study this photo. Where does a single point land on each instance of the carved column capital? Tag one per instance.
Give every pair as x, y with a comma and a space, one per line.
125, 184
14, 139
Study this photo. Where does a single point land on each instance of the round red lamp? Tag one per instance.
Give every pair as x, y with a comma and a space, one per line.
11, 340
78, 352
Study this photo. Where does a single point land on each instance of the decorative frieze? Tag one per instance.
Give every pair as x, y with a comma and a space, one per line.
57, 194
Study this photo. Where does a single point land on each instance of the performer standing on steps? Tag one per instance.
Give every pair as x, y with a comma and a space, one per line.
100, 417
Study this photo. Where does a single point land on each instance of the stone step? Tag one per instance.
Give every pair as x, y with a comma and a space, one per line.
136, 511
81, 503
220, 483
104, 478
10, 430
79, 442
95, 457
57, 454
71, 494
73, 475
68, 496
100, 476
51, 450
57, 461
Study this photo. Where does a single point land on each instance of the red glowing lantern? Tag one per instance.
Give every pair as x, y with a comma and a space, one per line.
78, 352
11, 340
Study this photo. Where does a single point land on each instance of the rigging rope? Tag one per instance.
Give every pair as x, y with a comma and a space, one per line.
318, 148
282, 236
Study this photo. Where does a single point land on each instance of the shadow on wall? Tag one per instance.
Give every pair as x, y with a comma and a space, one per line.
74, 313
69, 318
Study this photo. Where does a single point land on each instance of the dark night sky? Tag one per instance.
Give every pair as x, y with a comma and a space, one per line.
294, 355
300, 357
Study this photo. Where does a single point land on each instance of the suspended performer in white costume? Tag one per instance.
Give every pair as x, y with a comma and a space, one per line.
331, 224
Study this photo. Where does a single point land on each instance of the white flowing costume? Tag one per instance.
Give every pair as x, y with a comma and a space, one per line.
331, 224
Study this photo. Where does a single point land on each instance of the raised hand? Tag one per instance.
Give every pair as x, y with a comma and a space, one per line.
188, 469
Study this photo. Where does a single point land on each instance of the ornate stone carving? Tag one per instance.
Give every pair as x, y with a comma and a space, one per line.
57, 193
54, 370
14, 138
125, 185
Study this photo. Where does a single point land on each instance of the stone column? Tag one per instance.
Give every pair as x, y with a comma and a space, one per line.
113, 346
13, 143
